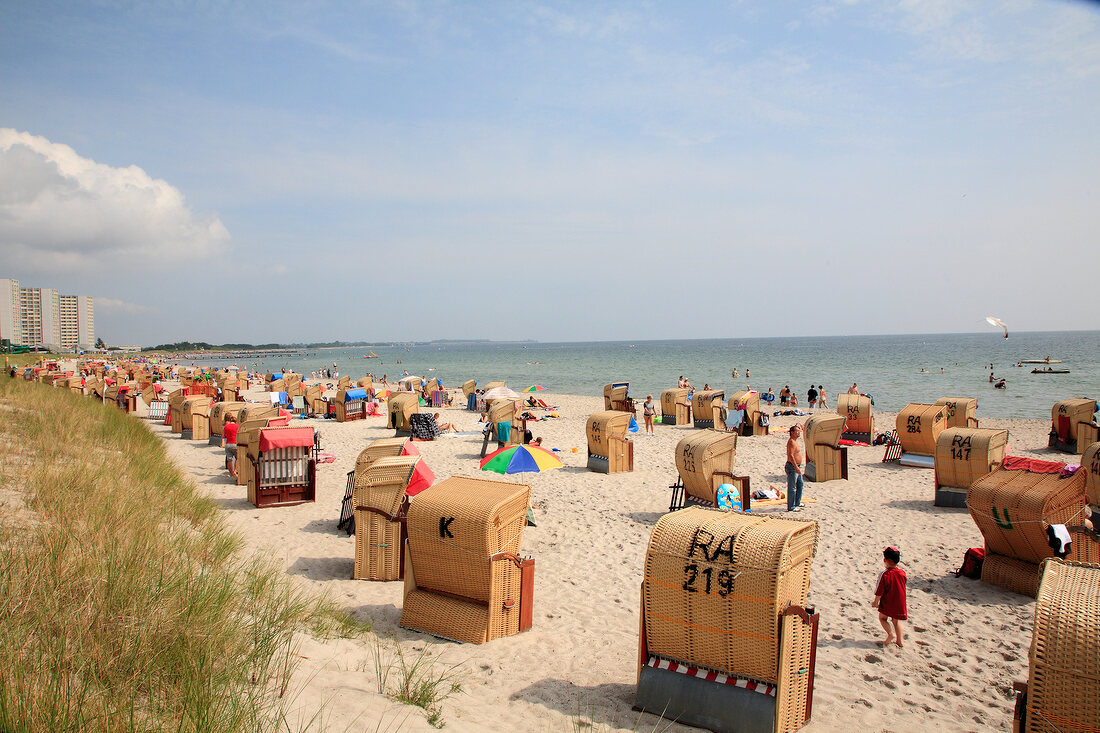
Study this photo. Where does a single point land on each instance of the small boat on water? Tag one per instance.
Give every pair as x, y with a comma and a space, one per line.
1047, 360
1048, 370
371, 355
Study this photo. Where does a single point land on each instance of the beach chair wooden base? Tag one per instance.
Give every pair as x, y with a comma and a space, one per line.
1010, 573
951, 496
716, 701
1066, 446
467, 620
1087, 434
829, 463
681, 499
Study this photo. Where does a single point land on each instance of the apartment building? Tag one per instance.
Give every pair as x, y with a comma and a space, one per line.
43, 317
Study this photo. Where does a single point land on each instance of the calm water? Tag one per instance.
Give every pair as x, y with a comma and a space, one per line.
887, 367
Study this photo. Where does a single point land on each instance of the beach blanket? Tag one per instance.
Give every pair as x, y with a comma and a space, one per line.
845, 441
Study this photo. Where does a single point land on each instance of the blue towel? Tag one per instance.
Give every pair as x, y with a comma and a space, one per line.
735, 418
471, 401
633, 425
504, 430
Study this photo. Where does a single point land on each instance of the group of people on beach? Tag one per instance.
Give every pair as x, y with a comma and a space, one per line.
890, 587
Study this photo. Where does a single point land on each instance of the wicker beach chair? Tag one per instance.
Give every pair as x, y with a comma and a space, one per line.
400, 407
505, 423
1063, 685
351, 404
195, 414
464, 578
609, 450
380, 448
826, 459
859, 423
754, 420
964, 455
615, 397
675, 406
706, 406
918, 426
726, 640
218, 414
1012, 509
283, 469
1065, 418
704, 461
961, 411
380, 505
1090, 464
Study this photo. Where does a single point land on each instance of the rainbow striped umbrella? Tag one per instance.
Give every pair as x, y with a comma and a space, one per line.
520, 459
535, 388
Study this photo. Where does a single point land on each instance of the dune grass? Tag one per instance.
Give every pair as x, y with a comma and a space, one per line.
125, 603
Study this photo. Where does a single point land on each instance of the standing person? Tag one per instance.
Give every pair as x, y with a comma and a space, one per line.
811, 396
822, 401
648, 411
853, 389
229, 435
890, 597
784, 395
793, 468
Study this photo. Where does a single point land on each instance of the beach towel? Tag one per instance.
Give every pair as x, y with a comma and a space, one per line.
633, 425
734, 419
1034, 465
504, 431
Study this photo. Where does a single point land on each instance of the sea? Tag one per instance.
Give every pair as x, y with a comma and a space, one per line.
894, 370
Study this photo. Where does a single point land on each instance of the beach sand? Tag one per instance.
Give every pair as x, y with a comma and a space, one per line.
967, 641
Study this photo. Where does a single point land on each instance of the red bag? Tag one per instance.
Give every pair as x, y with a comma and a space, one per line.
972, 563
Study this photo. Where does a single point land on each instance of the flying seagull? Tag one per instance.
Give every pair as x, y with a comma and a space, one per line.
997, 322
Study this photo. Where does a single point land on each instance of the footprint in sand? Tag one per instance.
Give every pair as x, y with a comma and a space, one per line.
872, 658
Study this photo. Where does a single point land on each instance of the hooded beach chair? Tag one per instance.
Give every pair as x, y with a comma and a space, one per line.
1066, 416
609, 450
826, 459
464, 577
704, 461
726, 639
283, 468
964, 455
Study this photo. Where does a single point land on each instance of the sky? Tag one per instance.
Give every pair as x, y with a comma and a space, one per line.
575, 171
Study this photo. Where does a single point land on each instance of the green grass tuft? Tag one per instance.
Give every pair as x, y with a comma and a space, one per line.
125, 604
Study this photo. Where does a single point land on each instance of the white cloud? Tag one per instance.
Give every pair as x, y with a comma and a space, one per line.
61, 211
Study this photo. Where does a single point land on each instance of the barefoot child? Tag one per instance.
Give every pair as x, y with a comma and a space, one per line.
890, 597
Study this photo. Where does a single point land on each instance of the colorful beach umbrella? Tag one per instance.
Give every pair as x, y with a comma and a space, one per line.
520, 459
535, 388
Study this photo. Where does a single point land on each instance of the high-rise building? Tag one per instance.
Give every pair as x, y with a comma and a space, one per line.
43, 317
11, 320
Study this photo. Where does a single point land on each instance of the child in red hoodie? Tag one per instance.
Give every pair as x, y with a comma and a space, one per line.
890, 597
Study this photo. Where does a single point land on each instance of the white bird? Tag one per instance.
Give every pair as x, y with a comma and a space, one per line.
997, 322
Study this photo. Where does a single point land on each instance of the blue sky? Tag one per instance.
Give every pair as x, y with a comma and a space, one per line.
561, 171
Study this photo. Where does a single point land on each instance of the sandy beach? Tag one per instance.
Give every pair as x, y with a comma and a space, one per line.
967, 641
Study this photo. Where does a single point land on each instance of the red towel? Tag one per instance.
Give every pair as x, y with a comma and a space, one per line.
1019, 463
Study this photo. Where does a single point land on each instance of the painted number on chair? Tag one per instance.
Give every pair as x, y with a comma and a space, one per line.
707, 578
912, 424
960, 448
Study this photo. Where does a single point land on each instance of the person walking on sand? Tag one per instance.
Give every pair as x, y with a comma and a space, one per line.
793, 469
648, 411
822, 401
890, 597
811, 397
